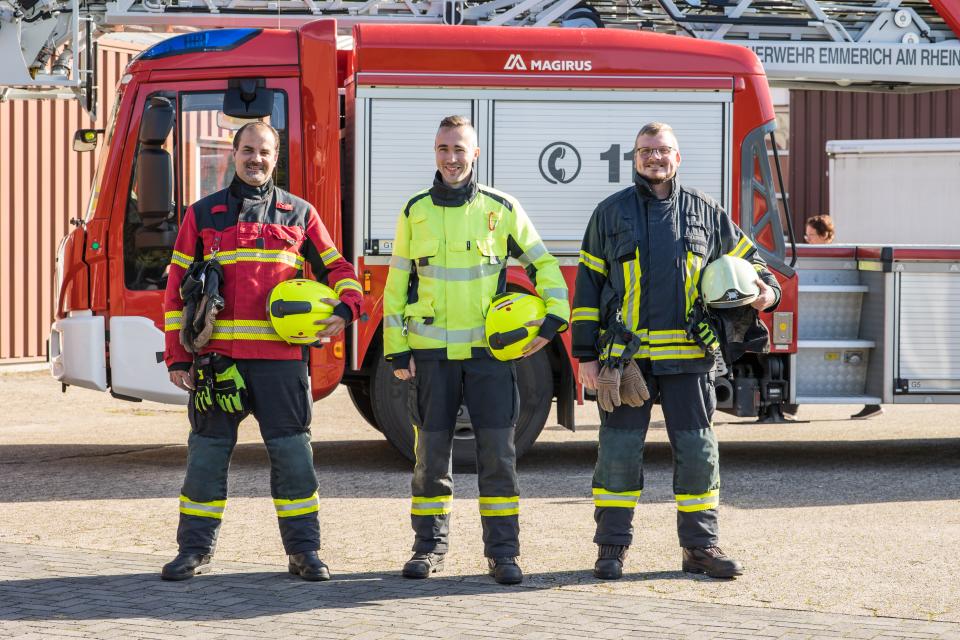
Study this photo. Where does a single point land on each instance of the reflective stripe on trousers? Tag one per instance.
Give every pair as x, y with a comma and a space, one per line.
212, 509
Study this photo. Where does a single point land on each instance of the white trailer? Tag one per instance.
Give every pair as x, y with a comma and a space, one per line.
895, 191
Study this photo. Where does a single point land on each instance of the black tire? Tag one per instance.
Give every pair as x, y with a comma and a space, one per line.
389, 402
360, 396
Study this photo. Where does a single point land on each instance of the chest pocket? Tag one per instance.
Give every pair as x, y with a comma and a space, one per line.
493, 249
248, 233
283, 238
424, 242
695, 235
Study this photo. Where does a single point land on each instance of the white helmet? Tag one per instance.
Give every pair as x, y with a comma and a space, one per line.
729, 282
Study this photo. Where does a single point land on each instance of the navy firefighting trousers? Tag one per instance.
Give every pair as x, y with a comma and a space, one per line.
279, 398
688, 401
488, 388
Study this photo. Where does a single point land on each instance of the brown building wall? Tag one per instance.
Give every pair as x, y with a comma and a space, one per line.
818, 116
43, 183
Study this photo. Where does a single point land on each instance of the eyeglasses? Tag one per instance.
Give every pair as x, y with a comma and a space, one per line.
648, 152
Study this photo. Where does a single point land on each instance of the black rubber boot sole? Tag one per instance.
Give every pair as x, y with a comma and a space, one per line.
690, 568
179, 577
414, 574
295, 571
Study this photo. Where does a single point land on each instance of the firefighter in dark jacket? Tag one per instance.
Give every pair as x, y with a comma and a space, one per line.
637, 288
449, 261
252, 235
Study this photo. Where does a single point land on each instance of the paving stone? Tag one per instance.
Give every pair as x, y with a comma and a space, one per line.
93, 594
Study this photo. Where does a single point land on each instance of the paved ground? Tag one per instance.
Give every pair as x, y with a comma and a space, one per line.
50, 592
832, 518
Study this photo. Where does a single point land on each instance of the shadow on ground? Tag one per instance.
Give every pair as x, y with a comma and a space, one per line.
756, 474
229, 595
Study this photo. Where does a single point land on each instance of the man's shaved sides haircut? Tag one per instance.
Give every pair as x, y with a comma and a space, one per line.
455, 122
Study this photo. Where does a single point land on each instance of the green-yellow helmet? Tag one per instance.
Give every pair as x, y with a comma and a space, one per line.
729, 282
295, 305
505, 327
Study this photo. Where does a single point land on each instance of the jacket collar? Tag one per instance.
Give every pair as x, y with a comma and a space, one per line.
646, 191
243, 191
445, 196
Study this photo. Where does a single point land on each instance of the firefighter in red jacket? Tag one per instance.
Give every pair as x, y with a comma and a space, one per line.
259, 235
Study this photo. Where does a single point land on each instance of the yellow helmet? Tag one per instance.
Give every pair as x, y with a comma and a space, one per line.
729, 282
295, 305
505, 328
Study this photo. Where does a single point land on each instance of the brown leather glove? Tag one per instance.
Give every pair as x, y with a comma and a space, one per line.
608, 388
633, 388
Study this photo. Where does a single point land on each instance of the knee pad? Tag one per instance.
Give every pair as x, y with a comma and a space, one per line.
207, 462
697, 467
620, 460
292, 474
431, 474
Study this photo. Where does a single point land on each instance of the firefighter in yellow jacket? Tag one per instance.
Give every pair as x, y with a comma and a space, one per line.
449, 261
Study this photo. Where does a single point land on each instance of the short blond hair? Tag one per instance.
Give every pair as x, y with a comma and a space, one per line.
452, 122
656, 128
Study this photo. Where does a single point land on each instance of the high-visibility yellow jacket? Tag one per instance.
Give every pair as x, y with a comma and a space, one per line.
449, 260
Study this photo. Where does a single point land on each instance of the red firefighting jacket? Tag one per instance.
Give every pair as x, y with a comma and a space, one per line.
261, 236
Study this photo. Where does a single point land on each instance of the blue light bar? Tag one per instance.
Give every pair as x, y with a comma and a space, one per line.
218, 40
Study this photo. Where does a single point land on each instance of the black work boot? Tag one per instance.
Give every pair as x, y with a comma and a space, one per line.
185, 566
421, 565
308, 566
505, 570
711, 561
610, 559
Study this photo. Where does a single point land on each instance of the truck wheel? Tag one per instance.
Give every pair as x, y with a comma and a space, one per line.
360, 396
535, 383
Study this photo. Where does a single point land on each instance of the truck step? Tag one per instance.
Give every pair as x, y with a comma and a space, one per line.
838, 400
835, 343
833, 288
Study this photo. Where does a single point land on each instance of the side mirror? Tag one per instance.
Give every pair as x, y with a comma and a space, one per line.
85, 139
248, 99
154, 164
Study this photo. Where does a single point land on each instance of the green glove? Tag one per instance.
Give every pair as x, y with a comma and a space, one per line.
203, 397
228, 386
706, 338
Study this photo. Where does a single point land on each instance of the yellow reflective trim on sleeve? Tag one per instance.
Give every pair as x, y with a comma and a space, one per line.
181, 259
347, 283
585, 314
329, 256
593, 262
172, 320
743, 247
689, 503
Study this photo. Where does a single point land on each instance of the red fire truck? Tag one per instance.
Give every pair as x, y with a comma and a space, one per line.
556, 111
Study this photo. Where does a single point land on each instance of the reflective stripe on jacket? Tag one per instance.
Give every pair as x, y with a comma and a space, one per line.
449, 260
641, 261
